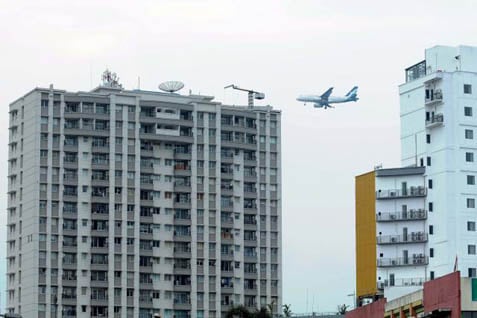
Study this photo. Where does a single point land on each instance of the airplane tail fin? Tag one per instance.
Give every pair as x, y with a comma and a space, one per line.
353, 92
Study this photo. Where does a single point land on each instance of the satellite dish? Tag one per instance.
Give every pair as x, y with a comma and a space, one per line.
171, 86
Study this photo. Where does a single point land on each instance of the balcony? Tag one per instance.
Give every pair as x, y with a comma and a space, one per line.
411, 215
416, 71
433, 96
415, 260
412, 192
435, 120
414, 237
403, 282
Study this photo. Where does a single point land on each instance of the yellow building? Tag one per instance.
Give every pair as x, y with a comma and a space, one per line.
365, 235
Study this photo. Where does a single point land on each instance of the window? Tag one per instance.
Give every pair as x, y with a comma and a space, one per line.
467, 89
431, 206
428, 161
472, 272
471, 226
428, 138
471, 249
470, 203
468, 111
470, 180
469, 134
431, 229
431, 252
429, 183
469, 157
432, 275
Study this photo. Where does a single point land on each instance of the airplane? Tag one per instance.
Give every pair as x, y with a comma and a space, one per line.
325, 100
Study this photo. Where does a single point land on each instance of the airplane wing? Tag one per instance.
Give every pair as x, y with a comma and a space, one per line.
327, 94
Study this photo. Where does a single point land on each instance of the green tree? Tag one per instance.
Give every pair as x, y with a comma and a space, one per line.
287, 313
238, 312
342, 309
270, 308
262, 313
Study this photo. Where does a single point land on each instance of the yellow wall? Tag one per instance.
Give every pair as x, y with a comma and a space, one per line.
365, 235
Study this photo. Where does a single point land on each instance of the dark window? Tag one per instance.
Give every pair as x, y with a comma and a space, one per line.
428, 161
431, 206
472, 272
467, 89
430, 183
470, 203
469, 134
471, 226
428, 138
431, 252
470, 180
432, 275
469, 157
468, 111
471, 249
431, 229
422, 162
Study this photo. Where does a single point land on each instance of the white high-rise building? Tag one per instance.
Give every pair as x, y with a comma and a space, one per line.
130, 203
439, 131
438, 109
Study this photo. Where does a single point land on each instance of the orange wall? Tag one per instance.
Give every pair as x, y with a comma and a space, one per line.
365, 235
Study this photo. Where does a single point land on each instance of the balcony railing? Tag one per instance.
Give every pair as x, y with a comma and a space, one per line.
435, 120
411, 192
415, 260
403, 282
415, 237
410, 215
433, 96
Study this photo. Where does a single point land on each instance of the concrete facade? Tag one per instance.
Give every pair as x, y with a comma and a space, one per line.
131, 203
438, 123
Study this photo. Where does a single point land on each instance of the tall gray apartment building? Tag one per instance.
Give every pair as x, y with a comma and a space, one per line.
133, 203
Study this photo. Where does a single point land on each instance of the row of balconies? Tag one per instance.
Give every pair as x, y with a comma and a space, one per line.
402, 282
414, 237
415, 260
417, 191
410, 215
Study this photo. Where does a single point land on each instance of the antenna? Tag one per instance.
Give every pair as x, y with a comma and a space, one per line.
171, 86
251, 94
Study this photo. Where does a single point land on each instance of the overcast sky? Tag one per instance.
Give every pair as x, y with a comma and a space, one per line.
283, 48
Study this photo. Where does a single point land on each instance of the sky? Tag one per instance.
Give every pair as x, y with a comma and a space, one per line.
281, 48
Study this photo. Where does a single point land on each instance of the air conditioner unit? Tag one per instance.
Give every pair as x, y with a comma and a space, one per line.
392, 193
392, 216
393, 262
393, 239
421, 190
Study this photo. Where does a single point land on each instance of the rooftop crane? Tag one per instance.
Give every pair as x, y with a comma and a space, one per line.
251, 94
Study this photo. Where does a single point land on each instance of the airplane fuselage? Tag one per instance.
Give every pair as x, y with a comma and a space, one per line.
325, 100
331, 100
